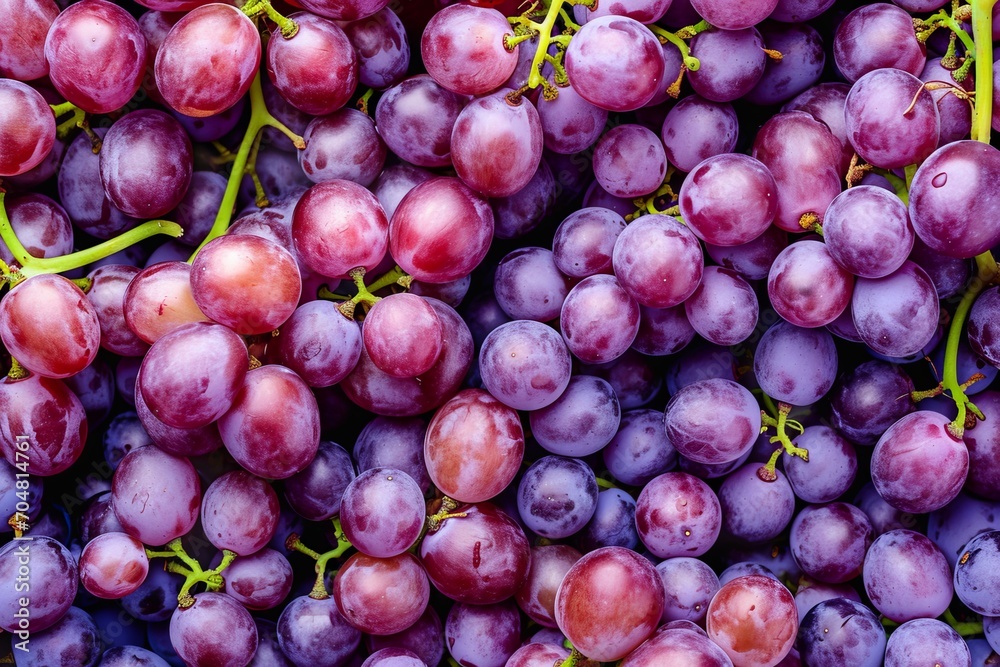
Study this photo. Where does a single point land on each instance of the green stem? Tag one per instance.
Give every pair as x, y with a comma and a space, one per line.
780, 424
575, 658
78, 117
526, 26
982, 30
945, 19
255, 8
259, 119
963, 628
14, 244
365, 293
690, 62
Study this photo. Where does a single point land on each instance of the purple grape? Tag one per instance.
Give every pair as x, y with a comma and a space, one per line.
955, 524
867, 231
416, 118
51, 579
897, 315
314, 632
658, 261
712, 421
723, 308
525, 364
751, 260
344, 145
831, 467
800, 66
316, 492
677, 514
557, 496
584, 241
926, 639
529, 286
581, 421
795, 365
982, 441
629, 161
877, 36
870, 398
841, 631
523, 211
482, 634
382, 512
696, 129
906, 576
792, 279
599, 319
641, 449
570, 123
829, 541
689, 585
613, 522
754, 510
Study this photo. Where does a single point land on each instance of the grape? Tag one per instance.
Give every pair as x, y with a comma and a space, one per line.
130, 656
49, 326
884, 124
525, 364
316, 492
557, 496
382, 512
230, 286
393, 657
208, 60
72, 642
96, 55
712, 421
609, 602
314, 632
615, 63
926, 639
841, 631
599, 319
381, 596
733, 15
268, 652
962, 173
473, 446
677, 514
831, 467
723, 308
955, 524
678, 646
190, 377
829, 541
24, 58
267, 442
795, 365
149, 511
537, 654
425, 638
479, 558
696, 129
629, 161
956, 122
344, 10
463, 49
511, 133
51, 581
658, 261
753, 619
981, 441
395, 181
549, 565
318, 343
581, 421
146, 163
584, 241
570, 123
896, 315
402, 335
416, 117
215, 630
663, 331
382, 48
728, 199
754, 510
792, 281
482, 634
528, 285
113, 565
29, 130
877, 36
825, 102
156, 596
975, 582
800, 66
40, 224
239, 512
394, 443
906, 576
441, 230
867, 231
869, 399
732, 62
343, 145
292, 65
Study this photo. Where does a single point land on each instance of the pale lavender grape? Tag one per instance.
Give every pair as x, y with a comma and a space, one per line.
190, 377
926, 639
525, 364
462, 47
956, 122
482, 634
523, 211
113, 565
801, 64
811, 593
270, 443
51, 582
982, 441
393, 657
314, 632
570, 123
906, 576
343, 145
613, 523
394, 182
72, 642
291, 65
964, 173
795, 365
528, 285
424, 638
733, 14
877, 126
754, 510
896, 315
869, 399
831, 467
689, 585
584, 241
581, 421
751, 260
744, 568
239, 512
732, 62
712, 421
792, 279
510, 133
382, 48
877, 36
557, 496
129, 656
841, 631
215, 629
883, 516
96, 55
955, 524
149, 510
805, 158
658, 261
416, 117
382, 512
723, 308
599, 319
829, 541
975, 574
629, 161
867, 231
663, 331
678, 514
318, 343
825, 102
696, 129
728, 199
537, 654
615, 63
640, 450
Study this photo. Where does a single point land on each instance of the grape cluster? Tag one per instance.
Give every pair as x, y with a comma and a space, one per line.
655, 333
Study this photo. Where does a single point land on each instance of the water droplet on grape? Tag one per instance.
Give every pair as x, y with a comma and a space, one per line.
940, 180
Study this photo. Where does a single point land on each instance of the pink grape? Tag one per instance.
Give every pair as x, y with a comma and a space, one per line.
463, 49
381, 596
25, 408
158, 300
113, 565
155, 496
402, 335
658, 261
239, 512
753, 618
27, 128
24, 58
